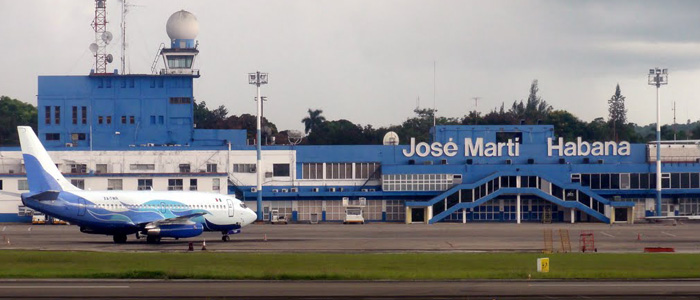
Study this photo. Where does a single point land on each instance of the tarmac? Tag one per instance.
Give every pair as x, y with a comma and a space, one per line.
368, 238
475, 289
376, 237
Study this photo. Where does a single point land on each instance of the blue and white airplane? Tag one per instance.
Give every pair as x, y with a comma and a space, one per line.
172, 214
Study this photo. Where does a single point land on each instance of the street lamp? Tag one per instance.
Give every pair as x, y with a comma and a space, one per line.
658, 77
258, 79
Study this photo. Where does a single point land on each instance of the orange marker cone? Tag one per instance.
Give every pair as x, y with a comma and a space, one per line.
204, 245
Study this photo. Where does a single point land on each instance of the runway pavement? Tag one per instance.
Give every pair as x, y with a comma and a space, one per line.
374, 237
179, 289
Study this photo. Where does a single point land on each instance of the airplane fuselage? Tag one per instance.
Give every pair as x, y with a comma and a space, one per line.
122, 212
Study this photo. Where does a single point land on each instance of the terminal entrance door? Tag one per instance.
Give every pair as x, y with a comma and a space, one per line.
621, 214
418, 214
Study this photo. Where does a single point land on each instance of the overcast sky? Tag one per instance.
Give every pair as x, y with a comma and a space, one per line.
369, 61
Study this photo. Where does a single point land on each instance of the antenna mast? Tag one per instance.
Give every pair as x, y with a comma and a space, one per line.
674, 120
434, 101
476, 105
102, 38
123, 58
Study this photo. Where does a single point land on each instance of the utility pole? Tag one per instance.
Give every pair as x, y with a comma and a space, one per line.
258, 79
476, 106
658, 77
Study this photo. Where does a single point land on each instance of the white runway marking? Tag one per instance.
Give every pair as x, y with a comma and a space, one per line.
64, 287
669, 234
607, 234
660, 284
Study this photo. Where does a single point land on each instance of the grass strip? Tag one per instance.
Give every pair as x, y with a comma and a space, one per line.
315, 266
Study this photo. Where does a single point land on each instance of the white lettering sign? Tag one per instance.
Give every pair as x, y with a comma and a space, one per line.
479, 148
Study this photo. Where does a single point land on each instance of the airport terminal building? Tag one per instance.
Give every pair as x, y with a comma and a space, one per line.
136, 132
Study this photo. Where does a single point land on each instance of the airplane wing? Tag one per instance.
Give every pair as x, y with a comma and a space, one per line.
180, 220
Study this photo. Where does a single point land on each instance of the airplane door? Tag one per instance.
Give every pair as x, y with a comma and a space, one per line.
81, 207
230, 207
162, 207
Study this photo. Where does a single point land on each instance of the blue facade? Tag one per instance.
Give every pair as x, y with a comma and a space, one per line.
120, 111
553, 175
474, 173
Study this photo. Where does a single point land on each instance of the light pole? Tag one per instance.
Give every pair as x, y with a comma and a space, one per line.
658, 77
258, 79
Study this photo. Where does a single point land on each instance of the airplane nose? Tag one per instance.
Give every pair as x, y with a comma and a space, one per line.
250, 216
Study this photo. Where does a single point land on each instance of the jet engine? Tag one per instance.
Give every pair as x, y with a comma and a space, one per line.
176, 230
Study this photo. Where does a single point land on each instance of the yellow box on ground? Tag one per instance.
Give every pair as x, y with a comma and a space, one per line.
543, 265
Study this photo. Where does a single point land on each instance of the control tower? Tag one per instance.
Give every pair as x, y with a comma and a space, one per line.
182, 28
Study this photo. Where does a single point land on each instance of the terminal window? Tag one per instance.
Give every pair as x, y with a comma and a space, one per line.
84, 115
244, 168
338, 170
22, 185
174, 184
193, 184
47, 114
123, 119
79, 183
53, 136
99, 120
100, 168
312, 171
184, 168
145, 184
114, 184
211, 168
57, 114
180, 100
279, 170
365, 170
75, 115
78, 168
215, 184
109, 119
142, 167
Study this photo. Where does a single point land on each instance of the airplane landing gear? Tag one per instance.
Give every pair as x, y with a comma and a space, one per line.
225, 238
119, 238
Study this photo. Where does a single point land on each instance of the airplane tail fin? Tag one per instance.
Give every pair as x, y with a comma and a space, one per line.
42, 174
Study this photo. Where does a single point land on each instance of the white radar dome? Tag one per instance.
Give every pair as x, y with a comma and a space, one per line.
391, 139
182, 25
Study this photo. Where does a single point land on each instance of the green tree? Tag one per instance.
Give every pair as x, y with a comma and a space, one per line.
340, 132
313, 120
617, 112
596, 130
566, 125
249, 123
205, 118
15, 113
695, 133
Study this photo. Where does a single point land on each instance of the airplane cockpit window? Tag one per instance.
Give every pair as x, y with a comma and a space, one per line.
243, 205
